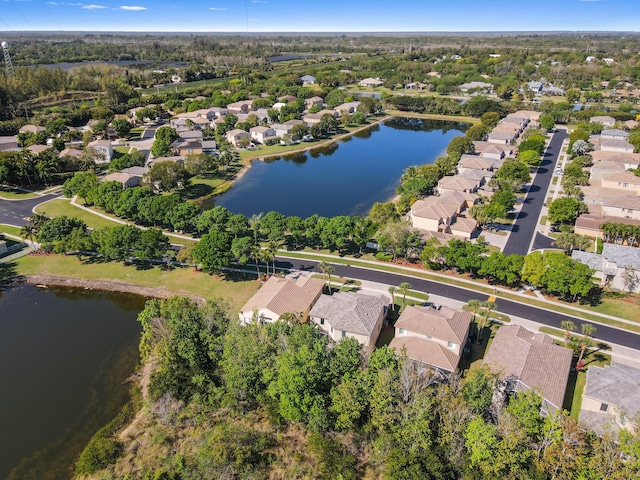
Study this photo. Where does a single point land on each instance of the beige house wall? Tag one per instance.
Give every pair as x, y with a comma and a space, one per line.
455, 348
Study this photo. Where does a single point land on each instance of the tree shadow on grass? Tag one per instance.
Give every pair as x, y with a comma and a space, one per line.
196, 190
231, 276
7, 273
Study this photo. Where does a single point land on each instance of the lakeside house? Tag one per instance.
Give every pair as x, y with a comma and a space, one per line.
370, 82
282, 295
237, 137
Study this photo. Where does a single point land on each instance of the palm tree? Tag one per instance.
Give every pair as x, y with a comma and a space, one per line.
474, 305
272, 250
256, 254
254, 223
28, 232
329, 269
485, 313
392, 291
323, 268
588, 331
404, 287
568, 326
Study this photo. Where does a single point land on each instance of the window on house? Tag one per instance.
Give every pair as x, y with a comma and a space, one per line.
322, 321
344, 334
604, 407
331, 329
451, 345
402, 331
429, 337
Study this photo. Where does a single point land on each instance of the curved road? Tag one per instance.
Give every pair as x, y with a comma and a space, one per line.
524, 229
508, 307
17, 212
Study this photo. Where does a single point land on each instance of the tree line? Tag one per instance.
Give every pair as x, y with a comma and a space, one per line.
281, 401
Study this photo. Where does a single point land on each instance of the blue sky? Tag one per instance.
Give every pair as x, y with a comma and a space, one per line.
320, 15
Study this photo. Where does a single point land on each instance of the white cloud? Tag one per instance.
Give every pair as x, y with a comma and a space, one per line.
55, 3
93, 7
217, 9
132, 8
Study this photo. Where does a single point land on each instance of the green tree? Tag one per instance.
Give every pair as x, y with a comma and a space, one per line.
213, 251
122, 128
152, 244
459, 146
568, 326
241, 249
168, 175
566, 210
588, 331
404, 288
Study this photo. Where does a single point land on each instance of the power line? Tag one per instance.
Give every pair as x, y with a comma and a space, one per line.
43, 7
20, 13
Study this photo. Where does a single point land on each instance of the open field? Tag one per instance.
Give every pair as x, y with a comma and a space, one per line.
15, 194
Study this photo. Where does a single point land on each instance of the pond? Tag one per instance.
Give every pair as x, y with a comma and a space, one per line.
344, 178
65, 356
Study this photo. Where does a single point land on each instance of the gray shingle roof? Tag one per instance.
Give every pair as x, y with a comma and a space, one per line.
622, 255
615, 384
350, 312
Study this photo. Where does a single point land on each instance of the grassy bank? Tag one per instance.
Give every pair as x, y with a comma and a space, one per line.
234, 288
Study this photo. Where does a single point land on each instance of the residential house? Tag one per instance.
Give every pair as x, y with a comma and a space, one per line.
308, 79
177, 159
614, 134
432, 335
237, 137
38, 149
610, 266
294, 122
530, 361
70, 153
262, 134
463, 227
186, 147
348, 314
535, 87
125, 179
9, 143
456, 183
501, 137
287, 98
430, 214
590, 225
626, 182
102, 150
482, 176
416, 86
474, 162
209, 147
611, 398
349, 107
621, 206
280, 129
243, 106
311, 119
630, 124
605, 120
32, 129
282, 295
278, 105
313, 102
371, 82
493, 150
476, 86
616, 146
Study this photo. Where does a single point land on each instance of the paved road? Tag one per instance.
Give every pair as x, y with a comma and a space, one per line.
509, 307
17, 212
524, 229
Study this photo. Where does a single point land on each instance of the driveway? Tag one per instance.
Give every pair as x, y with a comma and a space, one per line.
524, 229
17, 212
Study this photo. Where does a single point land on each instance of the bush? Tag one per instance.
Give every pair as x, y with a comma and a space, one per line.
384, 256
103, 450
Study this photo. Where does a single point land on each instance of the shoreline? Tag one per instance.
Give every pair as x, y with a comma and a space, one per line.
248, 161
102, 285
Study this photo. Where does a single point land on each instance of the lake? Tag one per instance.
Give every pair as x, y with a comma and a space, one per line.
344, 178
65, 356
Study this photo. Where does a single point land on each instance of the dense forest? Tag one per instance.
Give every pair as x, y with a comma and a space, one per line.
280, 401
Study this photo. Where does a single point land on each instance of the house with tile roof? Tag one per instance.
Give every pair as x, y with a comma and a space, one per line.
282, 295
457, 183
102, 150
370, 82
625, 182
589, 224
614, 133
530, 361
261, 134
611, 398
605, 120
616, 145
430, 214
236, 137
622, 206
32, 129
474, 162
350, 315
433, 335
494, 150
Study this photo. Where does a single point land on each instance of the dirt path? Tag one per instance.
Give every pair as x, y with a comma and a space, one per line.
105, 285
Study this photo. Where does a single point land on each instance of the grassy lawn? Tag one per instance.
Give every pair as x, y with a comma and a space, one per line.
627, 307
60, 207
202, 187
121, 149
554, 180
543, 220
15, 194
10, 229
236, 289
